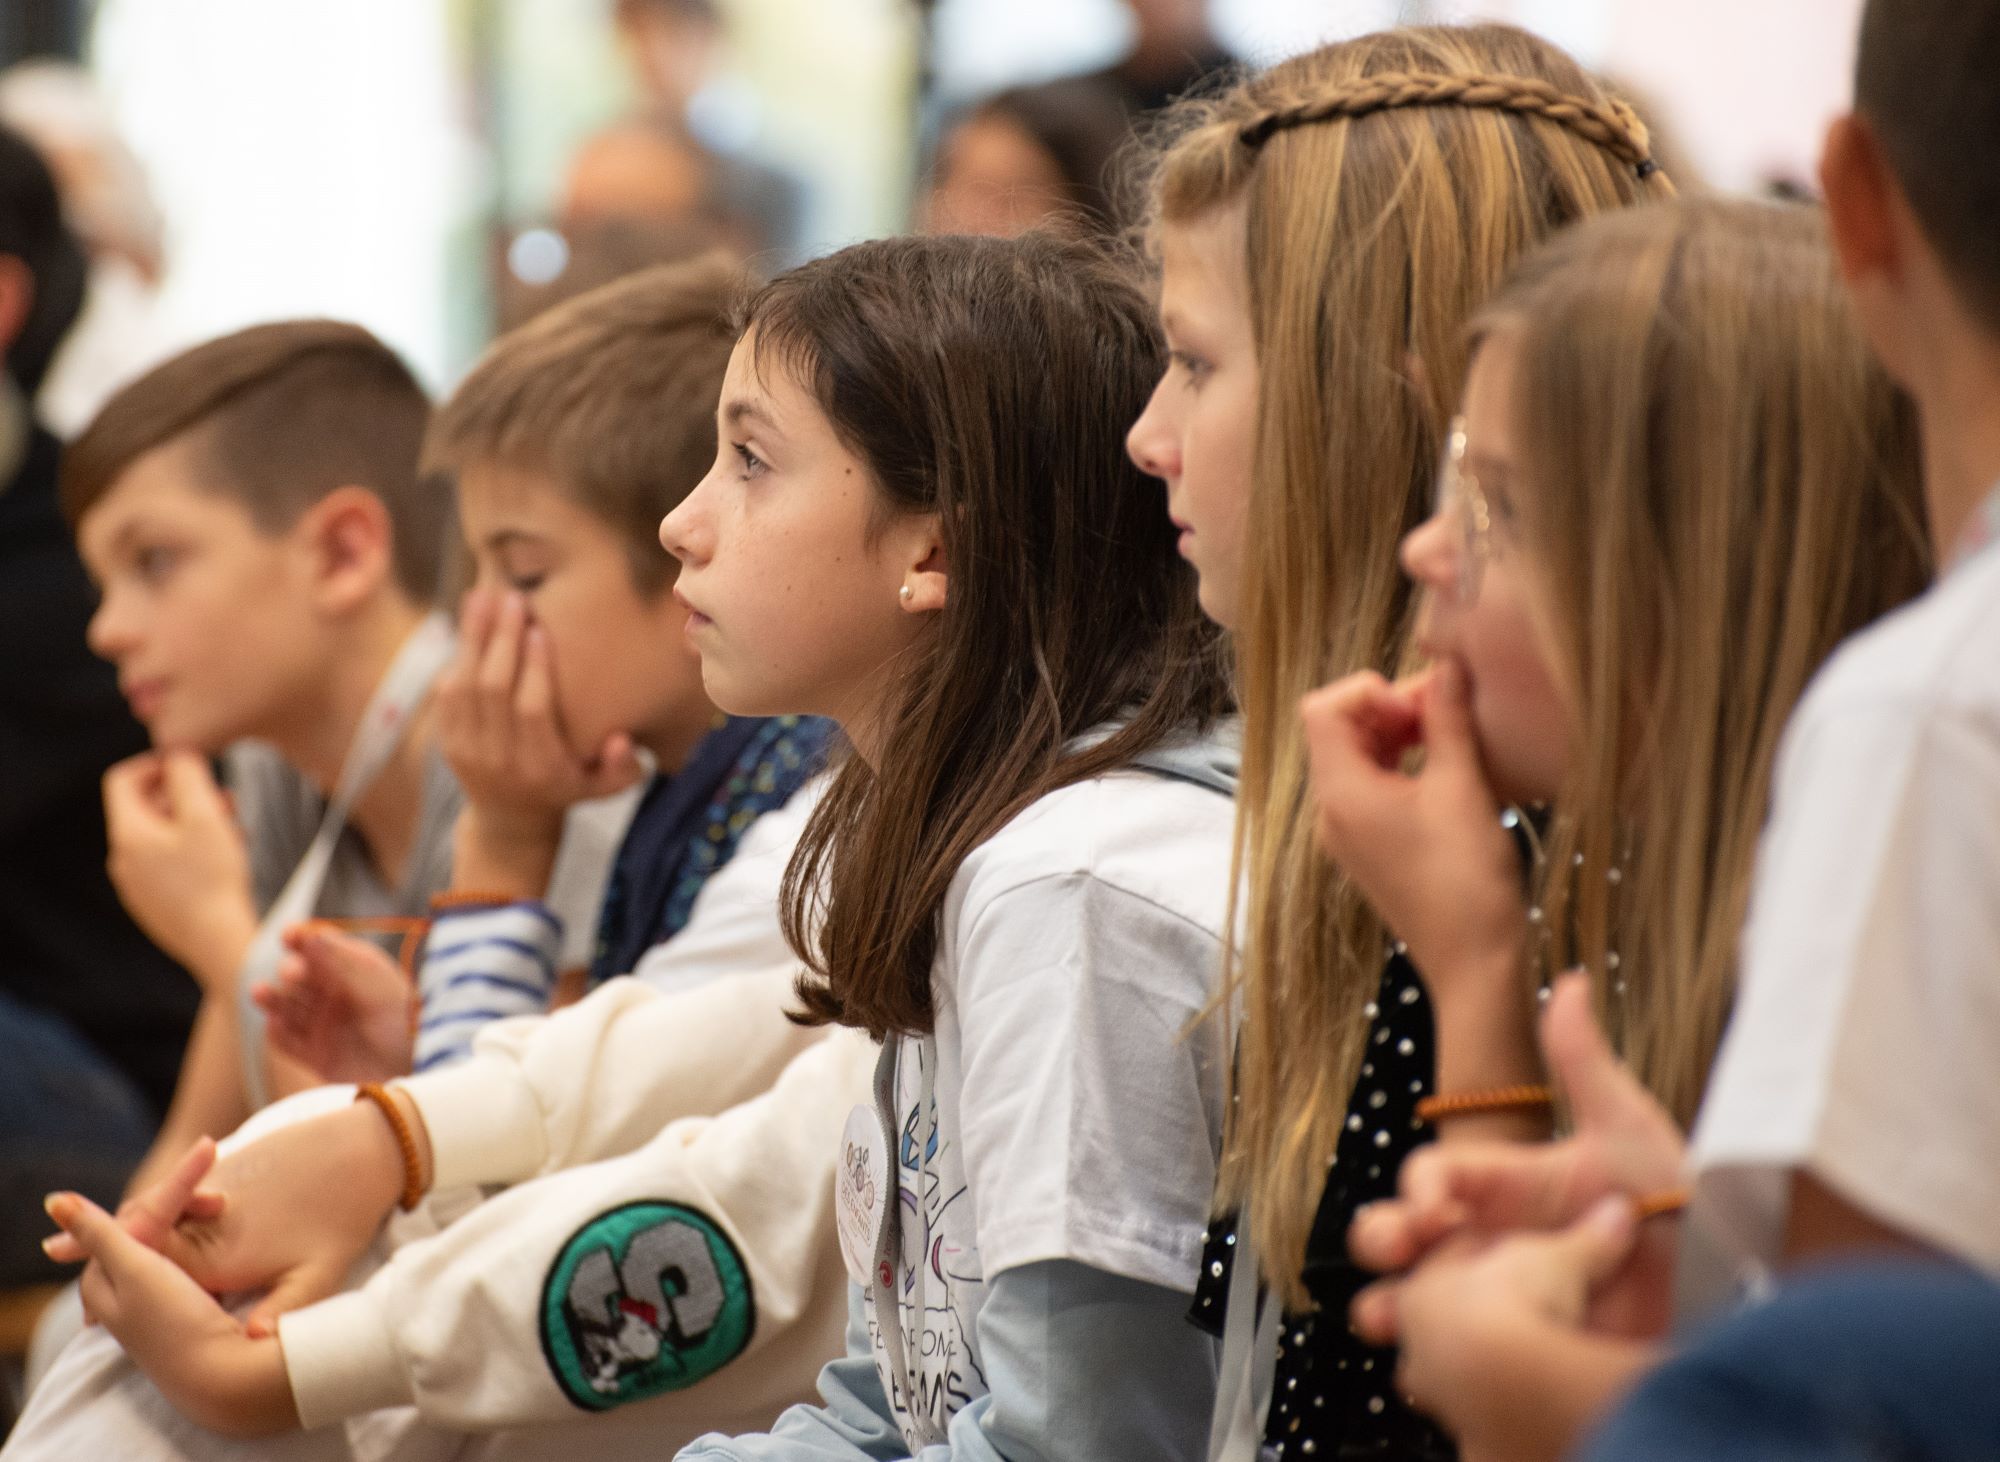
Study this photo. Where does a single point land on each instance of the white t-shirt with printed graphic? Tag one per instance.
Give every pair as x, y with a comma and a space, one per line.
1077, 1095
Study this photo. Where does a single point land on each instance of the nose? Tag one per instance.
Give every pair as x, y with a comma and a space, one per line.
1430, 553
108, 634
684, 532
1151, 443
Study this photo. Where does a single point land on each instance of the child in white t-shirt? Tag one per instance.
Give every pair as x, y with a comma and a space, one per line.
920, 524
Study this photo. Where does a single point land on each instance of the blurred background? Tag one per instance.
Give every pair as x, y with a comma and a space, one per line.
434, 169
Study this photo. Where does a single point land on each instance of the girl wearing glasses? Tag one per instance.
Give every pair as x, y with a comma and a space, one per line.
1325, 230
1678, 482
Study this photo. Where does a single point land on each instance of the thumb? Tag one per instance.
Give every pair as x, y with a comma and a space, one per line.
1601, 1092
192, 790
295, 1289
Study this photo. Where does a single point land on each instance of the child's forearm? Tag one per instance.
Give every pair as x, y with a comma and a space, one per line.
1486, 1042
215, 955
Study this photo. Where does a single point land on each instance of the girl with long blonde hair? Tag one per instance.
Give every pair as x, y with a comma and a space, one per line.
1325, 231
1679, 481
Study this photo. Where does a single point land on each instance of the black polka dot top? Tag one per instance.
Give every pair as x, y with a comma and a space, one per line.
1334, 1397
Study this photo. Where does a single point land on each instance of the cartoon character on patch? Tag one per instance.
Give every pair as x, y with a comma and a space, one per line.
646, 1298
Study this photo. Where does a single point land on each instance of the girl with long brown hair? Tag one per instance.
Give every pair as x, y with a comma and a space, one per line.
922, 526
1679, 481
1325, 231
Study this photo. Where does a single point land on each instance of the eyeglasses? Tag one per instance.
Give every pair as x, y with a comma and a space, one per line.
1459, 494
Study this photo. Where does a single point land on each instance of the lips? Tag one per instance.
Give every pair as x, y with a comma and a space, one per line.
696, 619
144, 696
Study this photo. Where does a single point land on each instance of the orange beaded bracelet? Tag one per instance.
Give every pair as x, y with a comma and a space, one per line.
1482, 1103
1658, 1205
406, 1140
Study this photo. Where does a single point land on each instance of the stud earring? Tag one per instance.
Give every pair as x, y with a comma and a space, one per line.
906, 593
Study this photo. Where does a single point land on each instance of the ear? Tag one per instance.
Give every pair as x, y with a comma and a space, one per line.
921, 552
351, 544
1870, 227
1859, 200
17, 299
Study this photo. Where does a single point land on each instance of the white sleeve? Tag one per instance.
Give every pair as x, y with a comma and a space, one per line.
601, 1077
703, 1031
1862, 1046
1091, 1094
624, 1281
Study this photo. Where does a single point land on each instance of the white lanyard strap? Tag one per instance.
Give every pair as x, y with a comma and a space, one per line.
919, 1430
383, 725
1249, 1357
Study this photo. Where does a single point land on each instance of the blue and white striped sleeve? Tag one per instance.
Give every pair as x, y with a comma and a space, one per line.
480, 965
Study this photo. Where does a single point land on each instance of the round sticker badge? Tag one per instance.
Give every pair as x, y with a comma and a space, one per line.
860, 1191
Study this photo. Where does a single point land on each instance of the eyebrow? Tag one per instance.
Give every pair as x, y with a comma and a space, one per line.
506, 538
740, 410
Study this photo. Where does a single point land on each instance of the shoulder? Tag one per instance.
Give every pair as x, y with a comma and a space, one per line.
1933, 654
1909, 685
1155, 840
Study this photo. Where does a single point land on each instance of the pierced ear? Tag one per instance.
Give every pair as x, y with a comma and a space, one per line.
351, 542
926, 583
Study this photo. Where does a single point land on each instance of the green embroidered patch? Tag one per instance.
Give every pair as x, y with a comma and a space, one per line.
644, 1299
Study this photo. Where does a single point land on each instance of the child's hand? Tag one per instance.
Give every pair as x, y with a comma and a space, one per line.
201, 1359
1623, 1143
179, 863
1427, 849
339, 1006
150, 1216
502, 732
289, 1213
1477, 1318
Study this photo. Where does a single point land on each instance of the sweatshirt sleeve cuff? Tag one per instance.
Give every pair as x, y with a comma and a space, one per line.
341, 1359
484, 1123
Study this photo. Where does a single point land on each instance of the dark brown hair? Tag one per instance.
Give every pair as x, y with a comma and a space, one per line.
1927, 80
989, 382
285, 414
612, 395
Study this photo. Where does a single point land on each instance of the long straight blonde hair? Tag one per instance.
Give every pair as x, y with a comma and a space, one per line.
1390, 181
1717, 486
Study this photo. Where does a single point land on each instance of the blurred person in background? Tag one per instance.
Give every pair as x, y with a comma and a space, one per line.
641, 192
1028, 156
110, 207
678, 51
93, 1018
1173, 52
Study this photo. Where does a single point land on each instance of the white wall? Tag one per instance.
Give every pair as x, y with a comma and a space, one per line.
309, 158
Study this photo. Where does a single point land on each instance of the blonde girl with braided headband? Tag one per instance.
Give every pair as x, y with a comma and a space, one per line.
1325, 231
